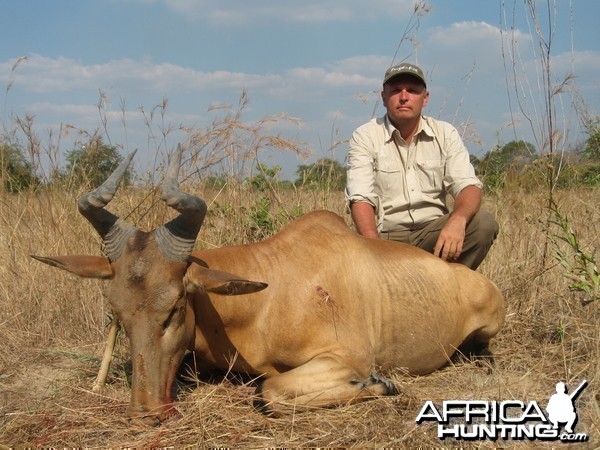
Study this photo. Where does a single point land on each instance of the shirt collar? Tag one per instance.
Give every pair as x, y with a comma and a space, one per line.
423, 127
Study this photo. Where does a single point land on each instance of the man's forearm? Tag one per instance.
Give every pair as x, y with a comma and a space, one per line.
363, 216
466, 204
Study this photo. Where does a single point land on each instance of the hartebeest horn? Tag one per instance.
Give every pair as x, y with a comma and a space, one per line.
113, 231
176, 239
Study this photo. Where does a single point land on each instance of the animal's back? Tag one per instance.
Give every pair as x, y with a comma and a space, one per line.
331, 290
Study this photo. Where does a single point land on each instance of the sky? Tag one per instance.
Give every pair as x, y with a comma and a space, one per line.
320, 61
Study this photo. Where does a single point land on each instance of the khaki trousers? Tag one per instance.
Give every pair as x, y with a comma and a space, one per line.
479, 236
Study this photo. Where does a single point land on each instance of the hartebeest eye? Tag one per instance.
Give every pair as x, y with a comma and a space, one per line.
175, 314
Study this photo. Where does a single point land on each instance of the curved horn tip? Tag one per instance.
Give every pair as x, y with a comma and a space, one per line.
174, 165
130, 156
119, 172
103, 194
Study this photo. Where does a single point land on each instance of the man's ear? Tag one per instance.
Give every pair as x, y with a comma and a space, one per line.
81, 265
425, 98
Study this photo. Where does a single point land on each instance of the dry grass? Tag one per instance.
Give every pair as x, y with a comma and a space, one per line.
53, 325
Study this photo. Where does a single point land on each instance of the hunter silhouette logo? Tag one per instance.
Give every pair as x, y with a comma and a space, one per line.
561, 407
510, 419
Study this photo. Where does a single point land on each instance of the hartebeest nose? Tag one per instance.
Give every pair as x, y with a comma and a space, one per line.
156, 417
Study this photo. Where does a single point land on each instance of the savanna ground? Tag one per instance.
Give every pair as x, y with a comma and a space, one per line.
53, 327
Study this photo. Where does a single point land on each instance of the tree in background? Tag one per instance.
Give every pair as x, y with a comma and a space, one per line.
325, 174
588, 170
265, 179
504, 163
16, 172
91, 164
592, 144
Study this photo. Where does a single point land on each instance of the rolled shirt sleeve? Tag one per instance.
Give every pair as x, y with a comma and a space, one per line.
361, 170
362, 157
459, 172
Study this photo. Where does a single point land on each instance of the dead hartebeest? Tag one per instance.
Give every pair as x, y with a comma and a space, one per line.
339, 309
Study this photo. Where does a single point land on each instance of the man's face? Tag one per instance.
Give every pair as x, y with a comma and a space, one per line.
404, 97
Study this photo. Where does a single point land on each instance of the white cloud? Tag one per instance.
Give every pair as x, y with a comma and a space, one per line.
463, 45
480, 48
584, 65
327, 79
371, 66
40, 74
462, 35
63, 109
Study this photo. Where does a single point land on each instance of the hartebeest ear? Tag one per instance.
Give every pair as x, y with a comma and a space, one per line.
82, 265
238, 287
221, 282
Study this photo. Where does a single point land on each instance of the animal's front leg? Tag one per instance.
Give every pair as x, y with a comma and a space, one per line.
321, 382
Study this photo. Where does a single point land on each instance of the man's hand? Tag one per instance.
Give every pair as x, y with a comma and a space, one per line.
450, 241
452, 237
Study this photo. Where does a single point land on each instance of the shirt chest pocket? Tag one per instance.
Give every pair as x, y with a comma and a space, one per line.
430, 173
389, 177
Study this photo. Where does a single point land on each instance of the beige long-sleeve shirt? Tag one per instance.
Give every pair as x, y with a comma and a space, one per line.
407, 184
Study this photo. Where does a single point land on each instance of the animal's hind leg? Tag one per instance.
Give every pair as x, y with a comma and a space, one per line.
477, 351
323, 381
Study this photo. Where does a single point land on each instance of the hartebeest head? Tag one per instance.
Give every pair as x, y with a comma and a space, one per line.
147, 287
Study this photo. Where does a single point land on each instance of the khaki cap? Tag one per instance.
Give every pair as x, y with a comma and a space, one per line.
404, 69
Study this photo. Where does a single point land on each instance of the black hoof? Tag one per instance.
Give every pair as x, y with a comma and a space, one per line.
259, 402
390, 388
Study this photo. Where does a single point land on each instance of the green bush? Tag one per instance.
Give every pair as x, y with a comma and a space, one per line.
16, 172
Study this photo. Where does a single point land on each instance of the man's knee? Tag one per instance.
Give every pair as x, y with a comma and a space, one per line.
483, 228
480, 234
